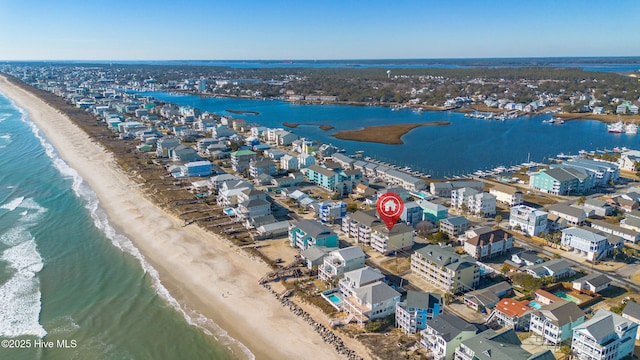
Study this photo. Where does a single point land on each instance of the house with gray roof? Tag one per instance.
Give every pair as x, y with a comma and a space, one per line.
556, 268
597, 207
454, 226
574, 216
492, 345
443, 335
605, 336
631, 312
337, 262
488, 297
305, 233
554, 323
418, 307
357, 278
314, 255
628, 235
370, 302
594, 283
526, 258
589, 242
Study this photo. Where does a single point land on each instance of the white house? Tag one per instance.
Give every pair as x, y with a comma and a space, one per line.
529, 220
555, 322
586, 242
337, 262
443, 335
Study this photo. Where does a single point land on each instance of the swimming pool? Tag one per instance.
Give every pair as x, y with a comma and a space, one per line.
334, 299
564, 296
534, 305
229, 211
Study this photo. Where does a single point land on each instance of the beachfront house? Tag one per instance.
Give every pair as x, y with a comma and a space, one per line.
418, 307
386, 241
554, 323
443, 334
305, 233
445, 269
370, 302
605, 336
528, 220
357, 278
340, 261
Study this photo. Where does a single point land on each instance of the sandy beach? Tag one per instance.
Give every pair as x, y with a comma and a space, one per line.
197, 267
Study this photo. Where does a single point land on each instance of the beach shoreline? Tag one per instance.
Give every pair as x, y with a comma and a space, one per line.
195, 266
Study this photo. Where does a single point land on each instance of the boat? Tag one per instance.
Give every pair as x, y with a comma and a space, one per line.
616, 128
631, 128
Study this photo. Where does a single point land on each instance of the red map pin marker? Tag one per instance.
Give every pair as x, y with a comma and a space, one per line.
390, 206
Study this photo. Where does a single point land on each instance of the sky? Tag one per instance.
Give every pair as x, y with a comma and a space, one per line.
315, 30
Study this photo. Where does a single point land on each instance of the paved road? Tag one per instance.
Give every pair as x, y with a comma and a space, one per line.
615, 277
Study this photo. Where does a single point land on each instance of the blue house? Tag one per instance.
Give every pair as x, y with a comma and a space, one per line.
413, 313
305, 233
198, 168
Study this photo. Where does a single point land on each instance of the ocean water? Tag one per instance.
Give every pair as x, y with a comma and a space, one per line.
69, 279
464, 146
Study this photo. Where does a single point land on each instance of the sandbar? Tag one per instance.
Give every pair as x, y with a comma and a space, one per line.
384, 134
196, 266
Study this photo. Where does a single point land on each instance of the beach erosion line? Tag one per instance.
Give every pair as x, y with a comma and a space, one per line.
123, 243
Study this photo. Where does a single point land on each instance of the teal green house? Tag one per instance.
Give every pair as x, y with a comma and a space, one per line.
561, 181
433, 212
306, 233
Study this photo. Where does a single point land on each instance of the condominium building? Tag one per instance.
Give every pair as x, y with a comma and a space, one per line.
359, 225
444, 268
386, 241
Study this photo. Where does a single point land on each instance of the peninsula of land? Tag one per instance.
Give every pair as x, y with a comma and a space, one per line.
385, 134
195, 265
295, 125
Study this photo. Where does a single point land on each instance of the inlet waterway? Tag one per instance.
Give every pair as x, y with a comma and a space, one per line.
464, 146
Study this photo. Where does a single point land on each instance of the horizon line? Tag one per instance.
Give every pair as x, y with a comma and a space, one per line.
336, 59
